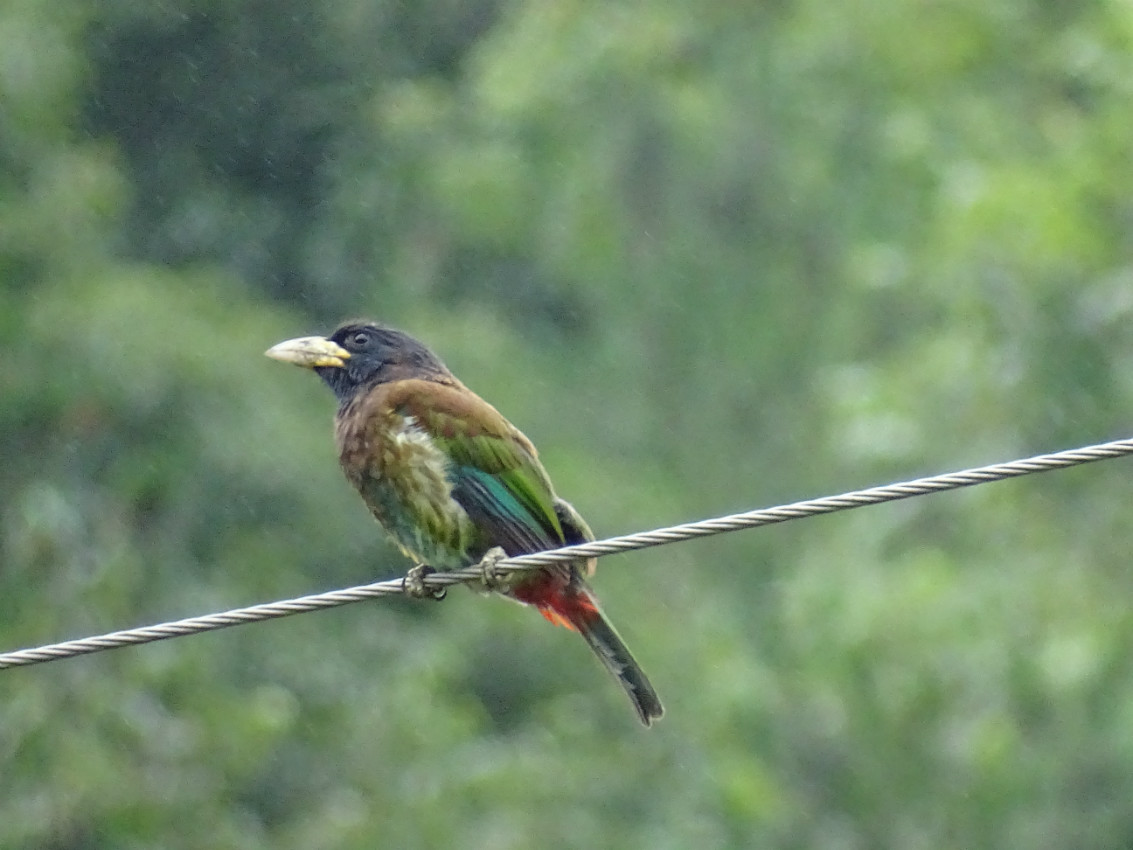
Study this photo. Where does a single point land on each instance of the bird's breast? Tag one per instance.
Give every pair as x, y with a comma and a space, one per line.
404, 477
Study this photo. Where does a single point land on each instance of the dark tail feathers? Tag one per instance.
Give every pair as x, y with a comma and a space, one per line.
600, 634
607, 644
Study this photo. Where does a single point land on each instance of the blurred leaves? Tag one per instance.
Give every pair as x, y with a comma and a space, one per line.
708, 257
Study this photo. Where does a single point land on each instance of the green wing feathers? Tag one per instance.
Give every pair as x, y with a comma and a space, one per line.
495, 472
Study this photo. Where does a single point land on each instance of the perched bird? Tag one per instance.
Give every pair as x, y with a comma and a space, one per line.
450, 479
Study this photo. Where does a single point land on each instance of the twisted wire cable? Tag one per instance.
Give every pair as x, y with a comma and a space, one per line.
627, 543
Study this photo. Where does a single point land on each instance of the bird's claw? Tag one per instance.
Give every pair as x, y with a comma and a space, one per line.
413, 584
493, 580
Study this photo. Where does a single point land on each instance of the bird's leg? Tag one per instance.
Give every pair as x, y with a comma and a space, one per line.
493, 580
413, 584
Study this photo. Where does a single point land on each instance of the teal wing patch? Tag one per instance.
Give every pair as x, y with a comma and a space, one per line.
507, 518
495, 474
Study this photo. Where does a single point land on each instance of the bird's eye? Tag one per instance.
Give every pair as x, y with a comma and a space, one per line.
360, 339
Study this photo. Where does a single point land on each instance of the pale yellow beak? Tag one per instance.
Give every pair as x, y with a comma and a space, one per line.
309, 352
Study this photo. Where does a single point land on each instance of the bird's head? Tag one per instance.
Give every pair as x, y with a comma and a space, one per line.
360, 355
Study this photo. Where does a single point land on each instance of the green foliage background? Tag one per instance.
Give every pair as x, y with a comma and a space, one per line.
709, 256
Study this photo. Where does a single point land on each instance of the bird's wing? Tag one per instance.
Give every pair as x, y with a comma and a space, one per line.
575, 531
496, 474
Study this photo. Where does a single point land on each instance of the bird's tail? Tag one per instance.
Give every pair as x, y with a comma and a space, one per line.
586, 617
576, 607
564, 598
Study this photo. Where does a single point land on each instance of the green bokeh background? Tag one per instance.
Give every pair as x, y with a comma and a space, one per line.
709, 256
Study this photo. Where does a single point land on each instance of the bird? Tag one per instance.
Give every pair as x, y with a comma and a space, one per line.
452, 481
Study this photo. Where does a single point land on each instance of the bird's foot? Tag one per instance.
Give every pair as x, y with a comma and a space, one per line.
413, 584
489, 576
